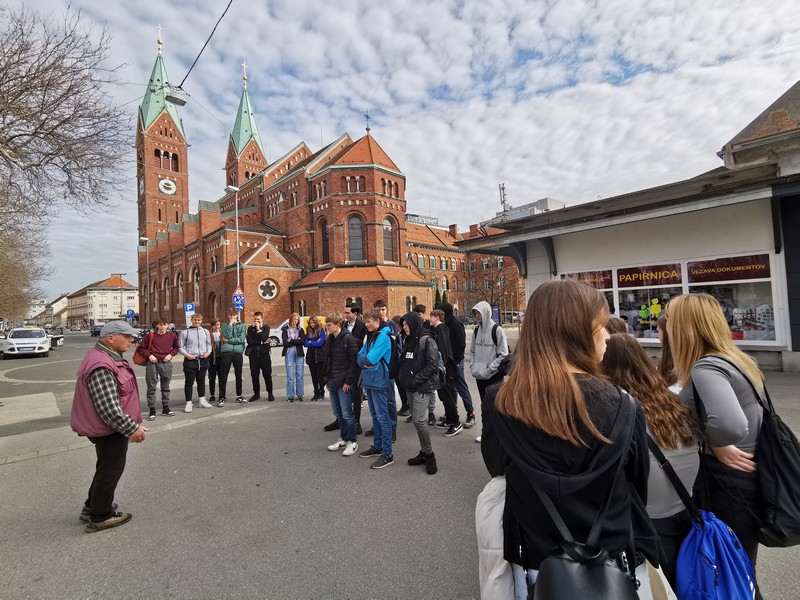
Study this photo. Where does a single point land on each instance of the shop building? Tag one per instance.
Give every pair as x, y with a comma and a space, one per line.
731, 232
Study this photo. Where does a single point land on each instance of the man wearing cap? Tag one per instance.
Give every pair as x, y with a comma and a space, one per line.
105, 409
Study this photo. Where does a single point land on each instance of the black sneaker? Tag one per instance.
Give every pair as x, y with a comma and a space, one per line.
254, 398
152, 415
167, 412
409, 419
454, 429
442, 425
290, 399
403, 412
370, 432
419, 459
221, 402
371, 452
270, 398
431, 419
332, 426
444, 418
212, 398
394, 434
470, 422
430, 464
86, 514
383, 461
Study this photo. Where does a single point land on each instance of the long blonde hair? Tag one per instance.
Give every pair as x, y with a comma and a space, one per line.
292, 317
697, 327
627, 364
541, 390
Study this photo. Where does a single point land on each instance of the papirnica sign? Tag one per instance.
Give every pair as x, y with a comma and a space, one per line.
649, 276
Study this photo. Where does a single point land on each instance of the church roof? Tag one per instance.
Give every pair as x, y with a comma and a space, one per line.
245, 129
781, 116
155, 98
365, 151
425, 236
361, 275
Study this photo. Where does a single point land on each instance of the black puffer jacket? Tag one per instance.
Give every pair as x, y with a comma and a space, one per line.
420, 360
442, 336
340, 364
458, 337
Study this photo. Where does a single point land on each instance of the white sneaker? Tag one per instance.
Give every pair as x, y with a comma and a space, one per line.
350, 449
338, 445
203, 403
478, 439
188, 407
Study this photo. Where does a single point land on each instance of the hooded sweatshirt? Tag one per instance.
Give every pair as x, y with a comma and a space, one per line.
458, 337
420, 358
486, 356
577, 478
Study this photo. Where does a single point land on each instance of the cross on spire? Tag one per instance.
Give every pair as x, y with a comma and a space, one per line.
367, 117
159, 42
244, 74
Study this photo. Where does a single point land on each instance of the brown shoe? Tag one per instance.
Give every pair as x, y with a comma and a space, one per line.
115, 520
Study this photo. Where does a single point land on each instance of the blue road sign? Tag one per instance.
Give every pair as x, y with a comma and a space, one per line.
130, 314
238, 301
188, 307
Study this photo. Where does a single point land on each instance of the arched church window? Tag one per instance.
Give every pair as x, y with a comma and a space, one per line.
355, 238
324, 242
179, 288
389, 254
174, 162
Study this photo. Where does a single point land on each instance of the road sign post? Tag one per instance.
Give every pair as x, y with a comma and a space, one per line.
188, 308
238, 300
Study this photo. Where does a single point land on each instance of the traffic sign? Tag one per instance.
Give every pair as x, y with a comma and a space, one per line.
238, 301
238, 291
188, 307
130, 314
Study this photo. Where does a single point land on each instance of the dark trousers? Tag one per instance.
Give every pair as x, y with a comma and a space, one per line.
316, 370
450, 408
261, 364
214, 372
111, 451
194, 371
485, 383
671, 533
228, 359
733, 496
401, 391
357, 397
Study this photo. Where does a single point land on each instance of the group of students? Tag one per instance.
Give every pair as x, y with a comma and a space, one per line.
555, 433
410, 356
209, 353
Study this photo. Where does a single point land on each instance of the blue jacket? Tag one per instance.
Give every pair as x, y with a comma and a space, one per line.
374, 357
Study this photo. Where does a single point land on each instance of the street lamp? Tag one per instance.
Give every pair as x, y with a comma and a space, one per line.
146, 241
235, 190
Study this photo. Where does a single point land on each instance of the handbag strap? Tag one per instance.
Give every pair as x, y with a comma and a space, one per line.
667, 467
594, 533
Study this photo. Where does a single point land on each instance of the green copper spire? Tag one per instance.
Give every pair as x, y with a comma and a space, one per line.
245, 126
155, 101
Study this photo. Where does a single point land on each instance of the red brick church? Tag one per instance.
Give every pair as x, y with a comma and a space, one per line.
316, 230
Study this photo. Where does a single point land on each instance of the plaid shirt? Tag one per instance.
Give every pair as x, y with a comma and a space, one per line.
105, 397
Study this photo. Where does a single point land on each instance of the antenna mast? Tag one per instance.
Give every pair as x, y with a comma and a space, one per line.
503, 199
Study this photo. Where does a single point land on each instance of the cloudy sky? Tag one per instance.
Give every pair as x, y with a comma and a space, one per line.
571, 99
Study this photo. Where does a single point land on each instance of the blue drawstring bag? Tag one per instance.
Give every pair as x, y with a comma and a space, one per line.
712, 564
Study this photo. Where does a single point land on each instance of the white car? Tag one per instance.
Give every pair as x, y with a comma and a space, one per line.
26, 341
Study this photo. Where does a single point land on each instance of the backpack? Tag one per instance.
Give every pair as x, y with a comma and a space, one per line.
712, 563
494, 333
394, 358
440, 368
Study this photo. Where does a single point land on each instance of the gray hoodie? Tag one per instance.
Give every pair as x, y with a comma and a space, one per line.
486, 357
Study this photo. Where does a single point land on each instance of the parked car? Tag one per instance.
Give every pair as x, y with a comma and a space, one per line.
22, 341
95, 331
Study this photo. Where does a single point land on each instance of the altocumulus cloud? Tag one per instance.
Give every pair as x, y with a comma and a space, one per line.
567, 99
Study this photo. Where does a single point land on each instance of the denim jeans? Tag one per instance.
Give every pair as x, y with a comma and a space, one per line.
381, 423
294, 372
342, 406
458, 387
391, 402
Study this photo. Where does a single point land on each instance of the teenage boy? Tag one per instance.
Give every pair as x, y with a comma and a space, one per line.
355, 327
259, 354
458, 344
391, 398
442, 336
159, 348
341, 372
418, 374
195, 345
373, 358
489, 348
232, 349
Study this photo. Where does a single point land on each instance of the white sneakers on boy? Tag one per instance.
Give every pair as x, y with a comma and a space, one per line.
350, 449
338, 445
203, 403
188, 407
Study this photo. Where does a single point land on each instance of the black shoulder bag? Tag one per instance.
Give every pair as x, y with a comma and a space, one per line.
778, 458
585, 570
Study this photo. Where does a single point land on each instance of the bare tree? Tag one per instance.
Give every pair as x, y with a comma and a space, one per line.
63, 141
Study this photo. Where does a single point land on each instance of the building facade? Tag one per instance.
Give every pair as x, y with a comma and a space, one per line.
102, 301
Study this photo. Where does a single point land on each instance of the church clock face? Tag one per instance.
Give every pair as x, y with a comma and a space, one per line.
167, 186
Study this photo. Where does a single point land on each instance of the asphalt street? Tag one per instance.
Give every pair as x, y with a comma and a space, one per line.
246, 502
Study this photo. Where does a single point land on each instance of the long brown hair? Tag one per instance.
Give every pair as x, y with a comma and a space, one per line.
315, 329
697, 328
666, 366
616, 325
626, 364
541, 390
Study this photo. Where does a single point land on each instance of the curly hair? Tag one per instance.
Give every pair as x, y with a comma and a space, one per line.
626, 364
